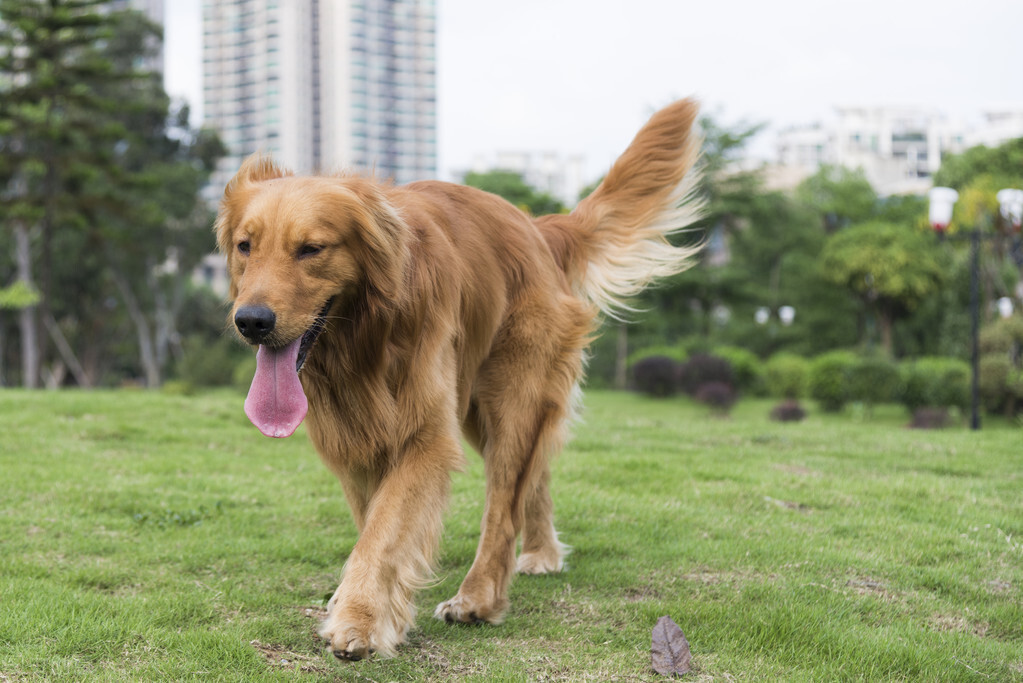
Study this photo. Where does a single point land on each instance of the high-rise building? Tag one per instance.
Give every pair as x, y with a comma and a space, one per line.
153, 9
322, 84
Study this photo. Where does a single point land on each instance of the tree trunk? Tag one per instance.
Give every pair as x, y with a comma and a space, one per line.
885, 322
27, 315
66, 352
147, 353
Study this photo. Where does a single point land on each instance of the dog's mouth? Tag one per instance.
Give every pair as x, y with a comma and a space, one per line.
276, 403
312, 334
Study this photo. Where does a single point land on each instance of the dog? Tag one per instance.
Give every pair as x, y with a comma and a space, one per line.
396, 320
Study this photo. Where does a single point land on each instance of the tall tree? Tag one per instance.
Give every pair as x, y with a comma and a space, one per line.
55, 132
105, 177
840, 195
891, 268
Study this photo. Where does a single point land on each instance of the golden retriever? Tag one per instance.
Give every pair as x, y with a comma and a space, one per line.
403, 318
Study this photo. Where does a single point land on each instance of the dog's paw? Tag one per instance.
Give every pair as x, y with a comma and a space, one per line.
352, 640
461, 609
540, 563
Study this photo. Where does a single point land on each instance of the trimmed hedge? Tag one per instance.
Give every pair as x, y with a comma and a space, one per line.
747, 368
873, 380
829, 379
935, 382
786, 375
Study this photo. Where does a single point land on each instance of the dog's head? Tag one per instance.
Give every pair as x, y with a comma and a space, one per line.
298, 248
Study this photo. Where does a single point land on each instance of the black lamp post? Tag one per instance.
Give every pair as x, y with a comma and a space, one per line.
942, 200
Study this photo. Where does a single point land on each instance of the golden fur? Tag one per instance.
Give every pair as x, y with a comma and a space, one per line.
454, 313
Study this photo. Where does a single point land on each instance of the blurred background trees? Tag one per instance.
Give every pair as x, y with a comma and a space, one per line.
100, 176
102, 227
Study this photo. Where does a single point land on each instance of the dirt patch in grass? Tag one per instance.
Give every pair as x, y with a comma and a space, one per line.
865, 585
425, 652
280, 657
953, 623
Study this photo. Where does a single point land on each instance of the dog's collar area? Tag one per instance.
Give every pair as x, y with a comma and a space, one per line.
310, 336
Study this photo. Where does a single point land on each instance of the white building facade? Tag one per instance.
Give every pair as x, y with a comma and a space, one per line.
322, 84
898, 148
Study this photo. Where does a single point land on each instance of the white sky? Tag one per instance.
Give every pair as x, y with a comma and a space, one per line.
581, 76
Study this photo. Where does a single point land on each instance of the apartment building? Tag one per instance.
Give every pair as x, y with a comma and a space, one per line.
322, 84
898, 148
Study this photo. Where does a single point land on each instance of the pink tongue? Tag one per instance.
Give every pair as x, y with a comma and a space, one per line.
276, 403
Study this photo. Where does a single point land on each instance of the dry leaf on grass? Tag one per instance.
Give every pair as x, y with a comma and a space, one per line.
670, 654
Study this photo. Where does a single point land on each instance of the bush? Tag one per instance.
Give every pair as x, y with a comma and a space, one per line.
676, 353
828, 379
244, 371
873, 380
788, 410
747, 368
1004, 335
718, 395
929, 418
935, 382
208, 364
703, 368
177, 387
786, 376
1001, 384
656, 376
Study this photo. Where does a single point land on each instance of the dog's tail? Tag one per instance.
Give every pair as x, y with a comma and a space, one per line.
615, 242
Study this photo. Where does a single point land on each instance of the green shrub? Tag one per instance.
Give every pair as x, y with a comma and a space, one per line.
873, 380
935, 382
829, 379
177, 387
747, 369
244, 370
674, 352
994, 370
786, 375
1004, 335
206, 364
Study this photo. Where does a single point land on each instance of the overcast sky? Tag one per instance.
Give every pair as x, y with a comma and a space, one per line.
581, 76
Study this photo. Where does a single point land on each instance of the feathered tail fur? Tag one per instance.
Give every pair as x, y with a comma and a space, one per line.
615, 241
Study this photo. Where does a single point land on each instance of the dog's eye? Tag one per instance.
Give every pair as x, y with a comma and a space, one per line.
309, 250
243, 247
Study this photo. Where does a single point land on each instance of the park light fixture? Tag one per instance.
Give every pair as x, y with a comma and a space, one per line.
942, 199
786, 314
1005, 307
1010, 203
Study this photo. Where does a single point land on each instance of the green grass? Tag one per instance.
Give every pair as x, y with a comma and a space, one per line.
154, 537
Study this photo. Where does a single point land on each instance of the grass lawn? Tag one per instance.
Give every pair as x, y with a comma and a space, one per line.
154, 537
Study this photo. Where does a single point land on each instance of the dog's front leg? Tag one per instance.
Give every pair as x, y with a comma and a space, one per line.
373, 608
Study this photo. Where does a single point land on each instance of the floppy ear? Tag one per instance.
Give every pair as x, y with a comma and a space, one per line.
255, 169
384, 235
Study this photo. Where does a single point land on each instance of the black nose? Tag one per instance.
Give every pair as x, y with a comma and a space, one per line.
255, 322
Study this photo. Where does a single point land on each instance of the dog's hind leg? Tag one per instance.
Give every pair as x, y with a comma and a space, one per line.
542, 552
523, 400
